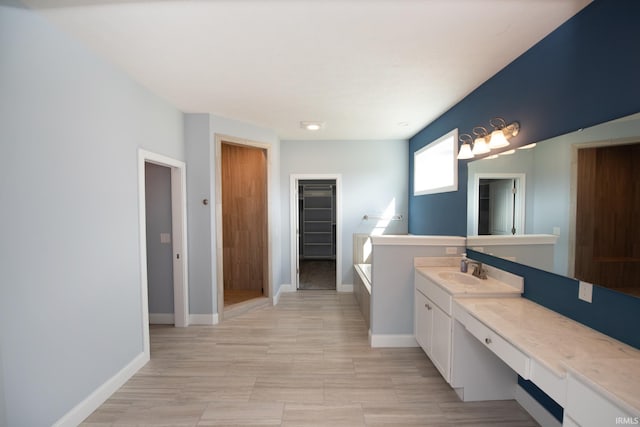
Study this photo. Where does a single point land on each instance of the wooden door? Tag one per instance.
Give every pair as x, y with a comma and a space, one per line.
244, 218
607, 212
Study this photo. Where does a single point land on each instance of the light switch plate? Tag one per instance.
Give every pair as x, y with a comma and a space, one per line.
585, 291
165, 237
556, 231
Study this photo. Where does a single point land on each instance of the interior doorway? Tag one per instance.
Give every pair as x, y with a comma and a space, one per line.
498, 204
177, 238
159, 247
316, 232
607, 208
244, 223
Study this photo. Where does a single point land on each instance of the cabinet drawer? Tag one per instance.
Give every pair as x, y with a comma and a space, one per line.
548, 382
589, 408
510, 355
434, 292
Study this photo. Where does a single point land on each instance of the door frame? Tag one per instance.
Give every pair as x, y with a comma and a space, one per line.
294, 231
219, 248
519, 203
179, 239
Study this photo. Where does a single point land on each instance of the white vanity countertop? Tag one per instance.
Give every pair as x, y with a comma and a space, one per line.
564, 345
488, 287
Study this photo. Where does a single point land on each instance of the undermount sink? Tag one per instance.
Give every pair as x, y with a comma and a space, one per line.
455, 276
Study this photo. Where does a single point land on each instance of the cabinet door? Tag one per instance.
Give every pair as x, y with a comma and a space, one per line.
423, 321
441, 342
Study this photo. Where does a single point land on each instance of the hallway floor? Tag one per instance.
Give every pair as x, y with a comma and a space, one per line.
317, 274
304, 362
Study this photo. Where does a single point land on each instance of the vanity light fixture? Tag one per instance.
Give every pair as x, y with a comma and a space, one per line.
312, 125
506, 153
501, 132
485, 142
465, 148
480, 144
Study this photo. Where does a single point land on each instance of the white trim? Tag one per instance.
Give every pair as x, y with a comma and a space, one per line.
293, 226
283, 288
395, 340
345, 288
415, 240
179, 239
535, 409
203, 319
83, 409
161, 319
520, 202
218, 249
524, 239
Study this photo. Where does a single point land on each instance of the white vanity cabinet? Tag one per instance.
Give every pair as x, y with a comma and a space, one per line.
432, 324
587, 407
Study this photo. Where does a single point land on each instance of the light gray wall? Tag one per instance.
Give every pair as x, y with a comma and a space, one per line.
159, 254
198, 139
70, 301
374, 175
392, 290
200, 131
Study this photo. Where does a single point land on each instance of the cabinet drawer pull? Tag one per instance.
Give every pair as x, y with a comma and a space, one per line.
428, 306
487, 340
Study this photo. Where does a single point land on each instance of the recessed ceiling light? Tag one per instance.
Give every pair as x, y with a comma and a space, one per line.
312, 125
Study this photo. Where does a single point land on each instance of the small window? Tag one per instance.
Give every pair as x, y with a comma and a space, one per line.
435, 167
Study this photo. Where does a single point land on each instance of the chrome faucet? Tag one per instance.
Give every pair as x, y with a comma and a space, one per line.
478, 271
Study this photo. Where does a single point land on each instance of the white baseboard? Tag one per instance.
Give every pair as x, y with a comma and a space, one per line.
161, 319
345, 288
203, 319
83, 409
283, 288
535, 409
396, 340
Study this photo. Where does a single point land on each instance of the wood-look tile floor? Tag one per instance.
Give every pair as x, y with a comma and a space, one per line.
304, 362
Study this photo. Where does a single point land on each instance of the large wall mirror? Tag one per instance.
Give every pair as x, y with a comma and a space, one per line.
578, 194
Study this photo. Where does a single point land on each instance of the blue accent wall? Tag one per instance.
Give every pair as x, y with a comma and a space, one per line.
583, 73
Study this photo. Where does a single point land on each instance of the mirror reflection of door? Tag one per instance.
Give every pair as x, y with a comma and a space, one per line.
607, 251
497, 207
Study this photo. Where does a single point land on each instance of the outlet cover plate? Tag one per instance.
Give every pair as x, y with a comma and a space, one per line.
585, 291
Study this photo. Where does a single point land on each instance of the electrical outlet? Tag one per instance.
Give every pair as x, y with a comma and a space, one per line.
556, 231
585, 291
165, 238
451, 250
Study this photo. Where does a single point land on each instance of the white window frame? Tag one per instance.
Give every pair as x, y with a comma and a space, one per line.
433, 158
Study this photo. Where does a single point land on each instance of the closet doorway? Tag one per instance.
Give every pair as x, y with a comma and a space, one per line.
245, 265
316, 223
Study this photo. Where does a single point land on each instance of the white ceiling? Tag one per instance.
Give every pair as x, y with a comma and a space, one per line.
363, 67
